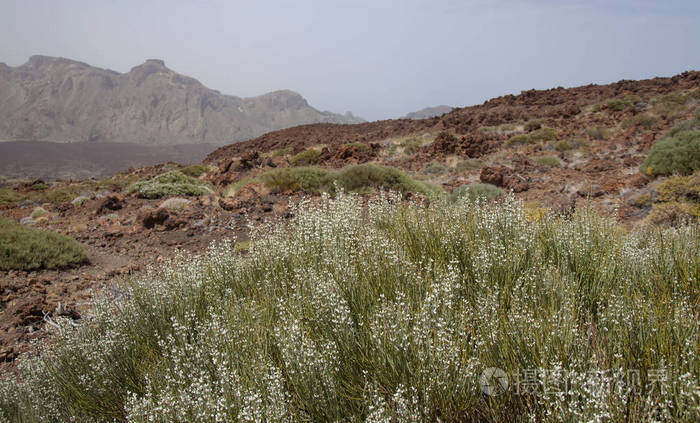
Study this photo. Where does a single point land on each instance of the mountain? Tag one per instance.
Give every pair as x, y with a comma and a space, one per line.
428, 112
62, 100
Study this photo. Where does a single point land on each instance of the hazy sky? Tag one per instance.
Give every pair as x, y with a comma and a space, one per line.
379, 59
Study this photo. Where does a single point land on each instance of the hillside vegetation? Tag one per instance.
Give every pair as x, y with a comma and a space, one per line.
387, 311
25, 248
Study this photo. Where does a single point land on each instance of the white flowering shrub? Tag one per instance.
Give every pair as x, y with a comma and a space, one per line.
384, 311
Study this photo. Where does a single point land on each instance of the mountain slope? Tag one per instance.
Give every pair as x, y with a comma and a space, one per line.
57, 99
429, 112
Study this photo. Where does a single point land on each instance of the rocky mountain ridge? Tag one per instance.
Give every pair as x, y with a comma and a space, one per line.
62, 100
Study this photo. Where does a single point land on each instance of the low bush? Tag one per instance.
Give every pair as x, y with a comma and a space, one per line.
477, 191
359, 146
10, 196
680, 188
24, 248
543, 134
598, 132
468, 164
306, 158
169, 183
642, 120
195, 170
687, 125
383, 311
358, 178
677, 154
564, 145
279, 152
547, 161
540, 135
620, 104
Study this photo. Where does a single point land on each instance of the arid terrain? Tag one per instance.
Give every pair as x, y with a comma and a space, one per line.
558, 150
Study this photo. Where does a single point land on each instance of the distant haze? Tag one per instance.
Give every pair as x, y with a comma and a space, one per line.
379, 59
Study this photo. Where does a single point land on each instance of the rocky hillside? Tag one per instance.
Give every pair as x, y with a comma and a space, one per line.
62, 100
558, 150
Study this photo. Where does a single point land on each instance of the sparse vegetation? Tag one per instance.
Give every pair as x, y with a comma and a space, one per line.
564, 145
359, 146
671, 105
384, 311
598, 133
468, 164
676, 154
306, 158
642, 120
620, 104
674, 213
547, 161
358, 178
169, 183
24, 248
279, 152
433, 168
542, 134
38, 212
195, 170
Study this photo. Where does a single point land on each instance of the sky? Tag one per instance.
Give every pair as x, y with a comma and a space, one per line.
378, 59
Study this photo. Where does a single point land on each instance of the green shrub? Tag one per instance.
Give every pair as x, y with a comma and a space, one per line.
24, 248
10, 196
382, 311
169, 183
311, 179
195, 170
564, 145
688, 125
433, 168
518, 140
468, 164
678, 154
358, 178
598, 132
306, 158
620, 104
547, 161
540, 135
40, 186
543, 134
642, 120
477, 191
279, 152
359, 146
